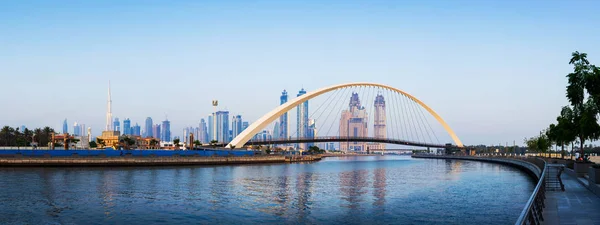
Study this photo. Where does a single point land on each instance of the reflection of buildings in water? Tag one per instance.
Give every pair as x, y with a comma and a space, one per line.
107, 190
304, 191
351, 187
453, 168
379, 186
219, 189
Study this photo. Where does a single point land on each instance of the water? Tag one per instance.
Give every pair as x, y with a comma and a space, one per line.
347, 190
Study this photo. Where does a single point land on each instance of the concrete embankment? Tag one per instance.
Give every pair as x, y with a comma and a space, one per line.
139, 161
528, 165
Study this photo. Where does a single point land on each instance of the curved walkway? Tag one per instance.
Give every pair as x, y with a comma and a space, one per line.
576, 205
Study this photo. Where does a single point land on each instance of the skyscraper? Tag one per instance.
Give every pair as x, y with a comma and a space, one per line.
354, 123
312, 132
236, 126
302, 119
65, 127
117, 125
127, 127
222, 126
203, 136
276, 131
156, 131
245, 125
283, 120
109, 111
166, 131
148, 128
211, 128
76, 130
136, 130
379, 124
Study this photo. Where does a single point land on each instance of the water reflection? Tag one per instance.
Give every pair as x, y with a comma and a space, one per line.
341, 191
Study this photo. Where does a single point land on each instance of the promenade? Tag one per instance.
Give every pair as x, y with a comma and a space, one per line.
576, 205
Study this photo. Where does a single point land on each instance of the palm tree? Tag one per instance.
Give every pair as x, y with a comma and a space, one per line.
197, 143
176, 142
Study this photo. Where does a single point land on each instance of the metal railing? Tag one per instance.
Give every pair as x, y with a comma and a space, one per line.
532, 213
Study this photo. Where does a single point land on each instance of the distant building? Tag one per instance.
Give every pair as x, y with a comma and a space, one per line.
22, 129
379, 125
311, 132
244, 126
127, 127
203, 136
65, 129
354, 123
222, 126
283, 120
276, 131
148, 128
236, 126
156, 131
211, 128
76, 129
302, 120
166, 131
136, 130
117, 125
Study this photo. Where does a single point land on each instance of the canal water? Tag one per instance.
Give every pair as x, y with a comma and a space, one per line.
344, 190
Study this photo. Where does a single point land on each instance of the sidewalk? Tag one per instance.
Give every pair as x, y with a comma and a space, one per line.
576, 205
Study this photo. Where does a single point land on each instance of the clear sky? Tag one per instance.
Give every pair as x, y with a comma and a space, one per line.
495, 70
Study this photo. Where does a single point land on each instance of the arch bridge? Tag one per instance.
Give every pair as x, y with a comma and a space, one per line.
246, 137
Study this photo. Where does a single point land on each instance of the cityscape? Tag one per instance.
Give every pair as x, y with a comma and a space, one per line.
300, 112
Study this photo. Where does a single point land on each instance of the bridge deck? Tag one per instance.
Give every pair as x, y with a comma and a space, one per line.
345, 139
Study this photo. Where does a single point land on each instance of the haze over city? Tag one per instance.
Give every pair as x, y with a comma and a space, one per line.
494, 70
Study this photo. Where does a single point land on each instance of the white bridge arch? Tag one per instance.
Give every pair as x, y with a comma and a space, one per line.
264, 121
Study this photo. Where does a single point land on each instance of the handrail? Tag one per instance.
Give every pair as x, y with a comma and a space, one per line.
532, 213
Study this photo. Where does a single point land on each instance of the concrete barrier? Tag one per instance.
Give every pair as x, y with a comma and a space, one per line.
138, 161
523, 163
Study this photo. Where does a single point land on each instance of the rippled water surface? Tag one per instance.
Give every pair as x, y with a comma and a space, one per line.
345, 190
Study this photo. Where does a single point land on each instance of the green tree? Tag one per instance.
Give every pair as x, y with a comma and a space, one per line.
93, 144
584, 78
197, 143
213, 142
154, 142
176, 142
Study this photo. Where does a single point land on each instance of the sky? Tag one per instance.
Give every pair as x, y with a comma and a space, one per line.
494, 70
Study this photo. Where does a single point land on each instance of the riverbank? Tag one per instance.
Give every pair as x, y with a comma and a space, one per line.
73, 158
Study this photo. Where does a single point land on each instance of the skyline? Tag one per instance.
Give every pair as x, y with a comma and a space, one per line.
515, 54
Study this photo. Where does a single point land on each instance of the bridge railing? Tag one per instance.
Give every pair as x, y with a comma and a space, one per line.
345, 139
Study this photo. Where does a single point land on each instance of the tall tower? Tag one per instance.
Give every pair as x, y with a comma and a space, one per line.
379, 125
283, 120
148, 128
302, 119
109, 111
65, 127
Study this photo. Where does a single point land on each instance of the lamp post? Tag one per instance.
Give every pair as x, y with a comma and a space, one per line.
215, 103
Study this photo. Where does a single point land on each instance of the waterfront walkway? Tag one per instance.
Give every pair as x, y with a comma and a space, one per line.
576, 205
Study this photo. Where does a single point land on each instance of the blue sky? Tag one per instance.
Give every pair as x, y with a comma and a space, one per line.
495, 70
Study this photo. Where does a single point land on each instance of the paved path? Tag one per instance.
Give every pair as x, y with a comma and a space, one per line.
576, 205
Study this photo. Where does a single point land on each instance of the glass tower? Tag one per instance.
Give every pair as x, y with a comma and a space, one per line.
302, 119
222, 126
166, 131
148, 128
65, 127
127, 127
117, 125
283, 120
